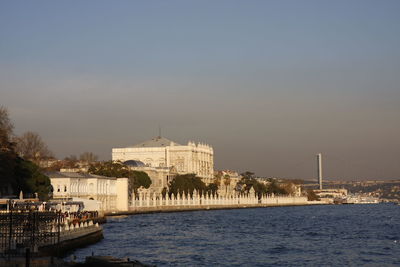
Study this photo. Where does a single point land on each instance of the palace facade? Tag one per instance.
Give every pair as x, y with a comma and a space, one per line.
162, 152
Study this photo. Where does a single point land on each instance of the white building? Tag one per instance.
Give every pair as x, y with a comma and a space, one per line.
111, 192
161, 152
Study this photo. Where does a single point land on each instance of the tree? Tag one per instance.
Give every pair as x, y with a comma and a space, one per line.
7, 153
274, 188
217, 179
32, 180
117, 169
6, 129
138, 179
212, 189
288, 187
30, 146
16, 172
247, 182
8, 165
88, 157
7, 150
109, 169
186, 183
227, 182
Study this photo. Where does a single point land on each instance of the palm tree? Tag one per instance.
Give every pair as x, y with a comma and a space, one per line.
227, 182
217, 179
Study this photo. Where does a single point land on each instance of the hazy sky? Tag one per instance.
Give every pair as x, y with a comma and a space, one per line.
267, 83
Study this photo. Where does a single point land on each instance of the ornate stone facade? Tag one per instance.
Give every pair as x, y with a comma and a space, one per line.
161, 152
111, 192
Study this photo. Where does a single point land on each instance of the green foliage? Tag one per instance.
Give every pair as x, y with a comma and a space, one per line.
227, 180
16, 172
138, 179
117, 169
23, 175
33, 180
248, 181
186, 183
8, 165
275, 188
109, 169
212, 188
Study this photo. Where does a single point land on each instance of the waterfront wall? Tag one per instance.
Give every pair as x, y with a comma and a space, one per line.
155, 202
72, 236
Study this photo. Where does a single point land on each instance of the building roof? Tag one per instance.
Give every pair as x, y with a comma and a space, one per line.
56, 174
157, 142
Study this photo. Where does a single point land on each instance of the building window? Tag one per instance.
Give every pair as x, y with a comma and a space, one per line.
65, 188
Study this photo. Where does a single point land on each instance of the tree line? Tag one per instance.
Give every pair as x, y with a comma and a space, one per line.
188, 183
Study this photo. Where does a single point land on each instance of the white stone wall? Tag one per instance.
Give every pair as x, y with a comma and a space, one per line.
153, 200
122, 194
104, 189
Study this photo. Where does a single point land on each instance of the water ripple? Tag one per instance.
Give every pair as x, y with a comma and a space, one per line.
348, 235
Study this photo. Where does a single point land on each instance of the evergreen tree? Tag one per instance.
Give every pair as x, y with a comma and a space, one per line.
16, 172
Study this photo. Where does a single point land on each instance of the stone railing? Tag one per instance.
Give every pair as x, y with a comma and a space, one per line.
143, 200
70, 231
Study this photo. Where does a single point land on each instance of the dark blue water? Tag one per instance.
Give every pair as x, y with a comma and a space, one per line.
343, 235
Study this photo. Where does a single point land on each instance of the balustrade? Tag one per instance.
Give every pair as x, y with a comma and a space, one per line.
154, 200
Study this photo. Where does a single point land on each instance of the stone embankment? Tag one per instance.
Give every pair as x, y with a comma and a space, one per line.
148, 204
74, 236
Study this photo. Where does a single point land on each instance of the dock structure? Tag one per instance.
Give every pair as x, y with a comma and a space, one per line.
33, 234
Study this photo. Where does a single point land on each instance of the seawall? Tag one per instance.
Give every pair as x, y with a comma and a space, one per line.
165, 209
74, 241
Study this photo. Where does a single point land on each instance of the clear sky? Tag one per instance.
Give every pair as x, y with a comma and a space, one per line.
269, 84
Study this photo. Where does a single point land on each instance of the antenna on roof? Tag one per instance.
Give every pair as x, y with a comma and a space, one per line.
159, 131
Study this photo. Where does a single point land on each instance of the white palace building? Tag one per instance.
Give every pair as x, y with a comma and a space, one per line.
161, 152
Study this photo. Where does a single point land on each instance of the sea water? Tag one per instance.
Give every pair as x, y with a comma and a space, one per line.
341, 235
